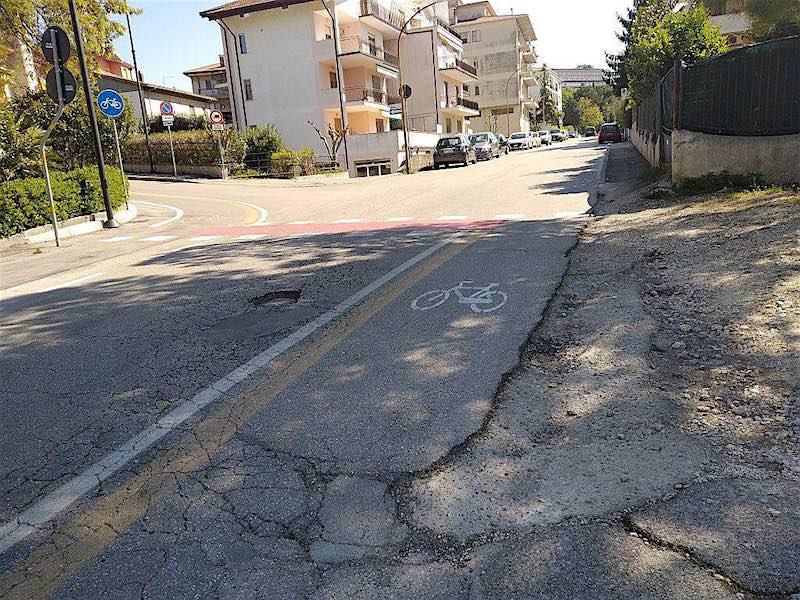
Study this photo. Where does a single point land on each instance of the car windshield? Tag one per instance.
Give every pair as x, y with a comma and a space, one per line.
479, 138
517, 136
449, 142
543, 132
554, 131
608, 128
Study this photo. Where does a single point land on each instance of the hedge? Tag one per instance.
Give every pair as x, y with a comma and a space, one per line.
24, 203
192, 148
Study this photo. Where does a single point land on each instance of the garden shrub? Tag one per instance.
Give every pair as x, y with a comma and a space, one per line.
305, 160
260, 144
284, 161
24, 203
192, 148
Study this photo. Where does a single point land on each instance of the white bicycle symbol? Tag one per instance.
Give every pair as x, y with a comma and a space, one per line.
481, 299
112, 102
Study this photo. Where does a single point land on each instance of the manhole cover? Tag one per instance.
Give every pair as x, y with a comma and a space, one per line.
278, 298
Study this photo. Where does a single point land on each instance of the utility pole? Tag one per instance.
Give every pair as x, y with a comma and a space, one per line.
145, 119
110, 222
337, 50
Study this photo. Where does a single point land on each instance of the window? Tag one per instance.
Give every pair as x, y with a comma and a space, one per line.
332, 79
373, 169
449, 126
327, 30
242, 43
465, 89
379, 125
337, 124
464, 38
377, 83
248, 89
477, 90
476, 35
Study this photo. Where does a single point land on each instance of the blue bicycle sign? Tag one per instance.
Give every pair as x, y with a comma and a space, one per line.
110, 103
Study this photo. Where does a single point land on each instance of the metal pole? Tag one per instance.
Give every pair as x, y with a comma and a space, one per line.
221, 153
337, 49
172, 151
53, 217
145, 118
110, 222
119, 155
59, 112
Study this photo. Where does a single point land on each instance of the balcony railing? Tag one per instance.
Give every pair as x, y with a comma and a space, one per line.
357, 44
452, 62
454, 102
362, 94
446, 26
215, 93
390, 17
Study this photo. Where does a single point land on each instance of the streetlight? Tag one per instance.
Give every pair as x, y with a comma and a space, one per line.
508, 82
145, 119
339, 78
400, 81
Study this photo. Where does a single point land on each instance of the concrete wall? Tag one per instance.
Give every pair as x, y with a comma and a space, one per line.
420, 72
387, 146
696, 154
647, 144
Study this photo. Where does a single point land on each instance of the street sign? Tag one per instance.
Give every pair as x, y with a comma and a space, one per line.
111, 103
167, 120
62, 44
216, 117
217, 126
166, 109
405, 91
69, 87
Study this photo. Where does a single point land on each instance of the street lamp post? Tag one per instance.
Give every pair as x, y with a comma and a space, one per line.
508, 82
400, 81
339, 78
145, 119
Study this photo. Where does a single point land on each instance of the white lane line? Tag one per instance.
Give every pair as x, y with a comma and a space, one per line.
262, 219
453, 218
159, 238
24, 524
252, 236
342, 221
73, 282
204, 238
118, 238
264, 215
398, 219
300, 223
509, 217
569, 215
178, 212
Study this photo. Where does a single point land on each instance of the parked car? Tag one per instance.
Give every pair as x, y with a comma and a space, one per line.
590, 132
536, 139
545, 137
557, 135
573, 134
486, 145
520, 140
503, 140
454, 150
610, 132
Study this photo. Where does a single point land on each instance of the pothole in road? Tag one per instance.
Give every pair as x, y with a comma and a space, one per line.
277, 298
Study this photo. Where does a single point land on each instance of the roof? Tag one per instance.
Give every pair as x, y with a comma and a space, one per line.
161, 89
523, 22
206, 69
241, 7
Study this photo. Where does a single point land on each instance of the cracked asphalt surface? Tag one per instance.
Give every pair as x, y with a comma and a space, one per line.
395, 453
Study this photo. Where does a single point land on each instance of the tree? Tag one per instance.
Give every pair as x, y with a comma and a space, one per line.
19, 146
657, 41
572, 113
590, 114
772, 19
333, 141
23, 21
547, 103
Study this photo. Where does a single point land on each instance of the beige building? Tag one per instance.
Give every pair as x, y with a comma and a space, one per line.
212, 81
582, 76
501, 48
730, 17
302, 87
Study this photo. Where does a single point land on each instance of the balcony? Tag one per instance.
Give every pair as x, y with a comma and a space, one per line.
457, 69
215, 92
365, 95
381, 18
358, 52
461, 106
446, 26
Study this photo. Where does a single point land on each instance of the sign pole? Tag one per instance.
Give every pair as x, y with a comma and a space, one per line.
53, 216
172, 151
60, 94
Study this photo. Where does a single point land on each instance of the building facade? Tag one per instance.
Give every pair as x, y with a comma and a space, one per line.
582, 76
212, 81
554, 87
301, 91
730, 17
501, 48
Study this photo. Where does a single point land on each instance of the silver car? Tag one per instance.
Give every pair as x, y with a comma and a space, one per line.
486, 145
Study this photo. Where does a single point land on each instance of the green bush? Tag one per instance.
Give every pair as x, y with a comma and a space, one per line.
284, 161
715, 182
179, 123
262, 140
24, 203
192, 148
305, 160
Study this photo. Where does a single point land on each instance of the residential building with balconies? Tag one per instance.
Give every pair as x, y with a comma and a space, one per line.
212, 81
501, 48
730, 17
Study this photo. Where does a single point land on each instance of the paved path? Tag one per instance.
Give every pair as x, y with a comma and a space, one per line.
228, 419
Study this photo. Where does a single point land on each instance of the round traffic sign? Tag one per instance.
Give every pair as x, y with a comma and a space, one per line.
110, 103
216, 117
405, 91
69, 87
62, 44
166, 108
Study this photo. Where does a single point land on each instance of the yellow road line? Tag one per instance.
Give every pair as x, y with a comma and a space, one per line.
67, 550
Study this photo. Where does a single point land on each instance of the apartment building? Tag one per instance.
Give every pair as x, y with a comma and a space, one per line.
280, 63
555, 88
212, 81
730, 17
501, 48
581, 76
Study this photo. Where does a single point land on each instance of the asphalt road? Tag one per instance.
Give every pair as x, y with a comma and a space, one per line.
215, 399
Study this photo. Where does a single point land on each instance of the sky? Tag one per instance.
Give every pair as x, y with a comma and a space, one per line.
171, 37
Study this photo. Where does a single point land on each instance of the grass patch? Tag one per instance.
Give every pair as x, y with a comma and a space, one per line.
717, 182
653, 174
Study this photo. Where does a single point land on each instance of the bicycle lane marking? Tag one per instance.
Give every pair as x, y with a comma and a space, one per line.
71, 546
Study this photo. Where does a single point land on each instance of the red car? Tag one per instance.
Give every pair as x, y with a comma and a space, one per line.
610, 132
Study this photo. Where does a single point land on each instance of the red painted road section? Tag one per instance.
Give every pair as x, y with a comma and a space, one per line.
285, 229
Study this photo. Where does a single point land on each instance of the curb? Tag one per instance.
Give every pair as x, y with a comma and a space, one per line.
69, 228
